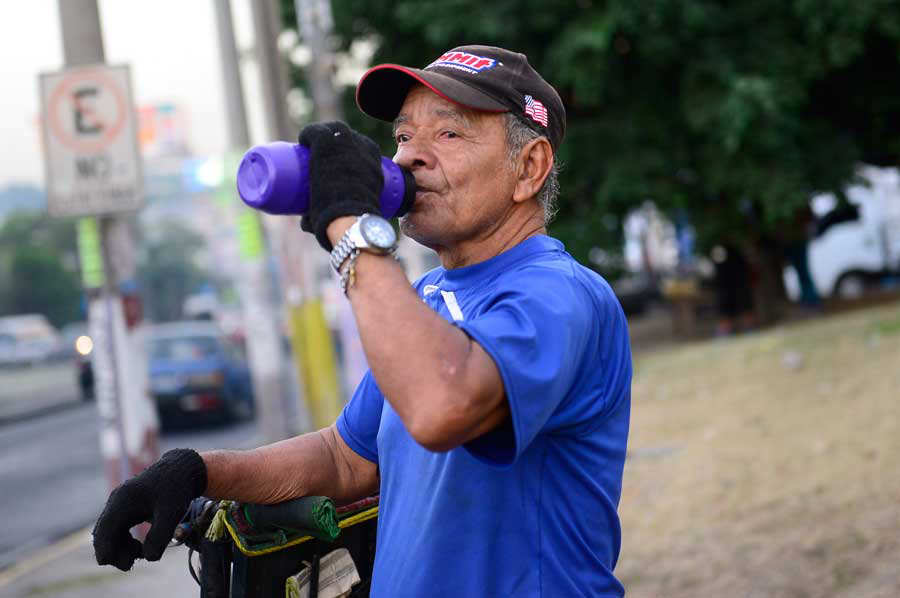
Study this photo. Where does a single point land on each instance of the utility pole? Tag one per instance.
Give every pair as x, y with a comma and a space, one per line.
128, 435
304, 263
273, 70
255, 288
316, 25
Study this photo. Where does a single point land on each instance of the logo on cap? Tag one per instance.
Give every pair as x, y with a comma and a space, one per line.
471, 63
536, 110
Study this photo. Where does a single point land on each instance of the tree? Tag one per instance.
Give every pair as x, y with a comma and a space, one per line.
733, 112
168, 273
41, 285
39, 268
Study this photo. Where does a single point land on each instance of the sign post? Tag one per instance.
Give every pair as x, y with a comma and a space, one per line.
93, 171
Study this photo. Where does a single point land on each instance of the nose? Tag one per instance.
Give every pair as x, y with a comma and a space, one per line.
414, 155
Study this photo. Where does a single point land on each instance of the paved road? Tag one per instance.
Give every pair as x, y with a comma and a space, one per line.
51, 476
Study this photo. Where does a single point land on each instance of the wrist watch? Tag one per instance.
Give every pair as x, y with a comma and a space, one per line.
369, 233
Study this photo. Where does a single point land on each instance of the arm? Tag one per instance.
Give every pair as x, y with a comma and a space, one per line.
316, 464
319, 463
443, 385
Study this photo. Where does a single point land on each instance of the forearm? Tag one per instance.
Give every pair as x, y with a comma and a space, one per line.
309, 465
431, 372
409, 347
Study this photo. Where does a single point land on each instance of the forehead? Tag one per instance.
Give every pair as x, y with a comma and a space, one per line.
422, 104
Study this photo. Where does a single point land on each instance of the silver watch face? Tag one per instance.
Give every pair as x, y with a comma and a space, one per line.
378, 232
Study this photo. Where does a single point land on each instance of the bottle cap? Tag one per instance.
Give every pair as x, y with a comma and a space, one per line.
274, 178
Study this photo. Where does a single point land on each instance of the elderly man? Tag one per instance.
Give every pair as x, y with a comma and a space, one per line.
495, 415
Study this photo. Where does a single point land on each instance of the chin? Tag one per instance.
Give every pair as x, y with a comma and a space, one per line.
413, 226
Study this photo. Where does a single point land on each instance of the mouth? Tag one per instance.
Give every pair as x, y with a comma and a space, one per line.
421, 192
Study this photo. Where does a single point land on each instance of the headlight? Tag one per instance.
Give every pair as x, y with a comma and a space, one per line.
84, 345
210, 379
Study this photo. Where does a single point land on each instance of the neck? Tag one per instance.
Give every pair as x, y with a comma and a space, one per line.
494, 241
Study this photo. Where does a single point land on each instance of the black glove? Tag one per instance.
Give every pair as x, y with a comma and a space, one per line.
345, 176
160, 494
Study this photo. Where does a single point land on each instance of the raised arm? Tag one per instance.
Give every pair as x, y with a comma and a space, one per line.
443, 386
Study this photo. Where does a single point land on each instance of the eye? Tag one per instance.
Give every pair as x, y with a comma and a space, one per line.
450, 134
400, 138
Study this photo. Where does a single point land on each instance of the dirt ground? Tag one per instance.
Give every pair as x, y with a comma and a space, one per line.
768, 464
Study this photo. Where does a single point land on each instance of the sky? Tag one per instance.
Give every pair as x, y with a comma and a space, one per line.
172, 50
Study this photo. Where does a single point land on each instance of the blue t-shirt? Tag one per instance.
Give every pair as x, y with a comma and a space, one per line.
528, 509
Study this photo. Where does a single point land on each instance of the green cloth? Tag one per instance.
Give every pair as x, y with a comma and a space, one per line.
310, 515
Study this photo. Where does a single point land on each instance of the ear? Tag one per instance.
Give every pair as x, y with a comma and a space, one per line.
532, 167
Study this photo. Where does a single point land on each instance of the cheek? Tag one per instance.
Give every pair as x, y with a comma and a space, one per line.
465, 181
483, 184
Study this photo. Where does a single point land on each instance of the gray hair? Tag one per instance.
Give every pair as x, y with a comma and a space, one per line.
518, 134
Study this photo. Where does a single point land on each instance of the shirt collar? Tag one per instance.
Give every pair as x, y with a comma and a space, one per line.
467, 276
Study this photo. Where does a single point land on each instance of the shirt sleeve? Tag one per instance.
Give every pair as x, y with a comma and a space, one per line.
536, 334
360, 419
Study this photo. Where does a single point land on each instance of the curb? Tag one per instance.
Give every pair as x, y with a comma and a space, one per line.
49, 553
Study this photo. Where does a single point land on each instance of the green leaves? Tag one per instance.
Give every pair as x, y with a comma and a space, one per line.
736, 112
38, 267
169, 271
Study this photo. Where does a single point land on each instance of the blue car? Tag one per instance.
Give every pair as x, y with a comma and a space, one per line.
197, 373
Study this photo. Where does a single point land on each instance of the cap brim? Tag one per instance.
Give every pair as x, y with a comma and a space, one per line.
383, 88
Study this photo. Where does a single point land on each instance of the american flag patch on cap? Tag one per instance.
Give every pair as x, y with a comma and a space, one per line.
536, 110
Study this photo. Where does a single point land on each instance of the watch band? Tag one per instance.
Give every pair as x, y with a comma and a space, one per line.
354, 240
348, 271
344, 247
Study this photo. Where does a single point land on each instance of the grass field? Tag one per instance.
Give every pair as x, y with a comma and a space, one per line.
767, 465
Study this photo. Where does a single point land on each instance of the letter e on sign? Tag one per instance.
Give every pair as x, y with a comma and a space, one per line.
91, 154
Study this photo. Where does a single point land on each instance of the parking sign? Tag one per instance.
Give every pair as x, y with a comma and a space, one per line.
91, 150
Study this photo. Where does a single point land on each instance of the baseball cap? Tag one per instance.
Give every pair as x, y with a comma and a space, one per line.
483, 78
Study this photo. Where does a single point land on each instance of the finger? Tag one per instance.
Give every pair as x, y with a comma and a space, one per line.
165, 520
316, 132
113, 544
117, 548
366, 143
338, 128
121, 553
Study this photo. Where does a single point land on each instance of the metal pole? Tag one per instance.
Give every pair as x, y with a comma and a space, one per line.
316, 25
82, 45
273, 70
238, 134
110, 298
262, 331
302, 259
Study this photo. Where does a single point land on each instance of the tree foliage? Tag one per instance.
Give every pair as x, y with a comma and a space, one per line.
38, 268
734, 112
168, 272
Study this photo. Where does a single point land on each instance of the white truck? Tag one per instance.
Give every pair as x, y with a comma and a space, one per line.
852, 256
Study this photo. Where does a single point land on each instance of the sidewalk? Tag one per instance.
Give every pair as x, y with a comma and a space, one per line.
32, 391
67, 569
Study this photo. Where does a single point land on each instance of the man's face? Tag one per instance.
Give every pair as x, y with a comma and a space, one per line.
459, 159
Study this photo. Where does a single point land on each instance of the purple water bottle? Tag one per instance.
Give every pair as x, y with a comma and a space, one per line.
274, 178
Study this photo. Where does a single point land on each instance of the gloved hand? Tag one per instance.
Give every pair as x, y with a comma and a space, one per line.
345, 176
160, 494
